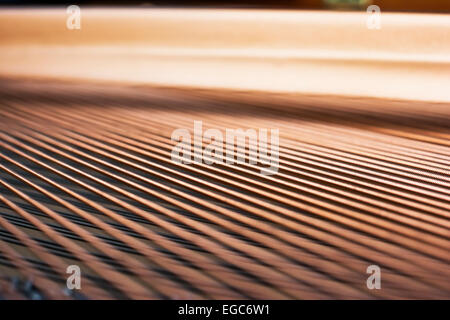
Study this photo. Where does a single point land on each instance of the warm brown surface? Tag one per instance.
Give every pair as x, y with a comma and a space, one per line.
275, 51
387, 5
86, 178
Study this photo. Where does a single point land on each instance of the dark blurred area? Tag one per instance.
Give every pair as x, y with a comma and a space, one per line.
438, 6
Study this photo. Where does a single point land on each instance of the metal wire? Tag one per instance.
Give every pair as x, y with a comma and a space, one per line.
86, 178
